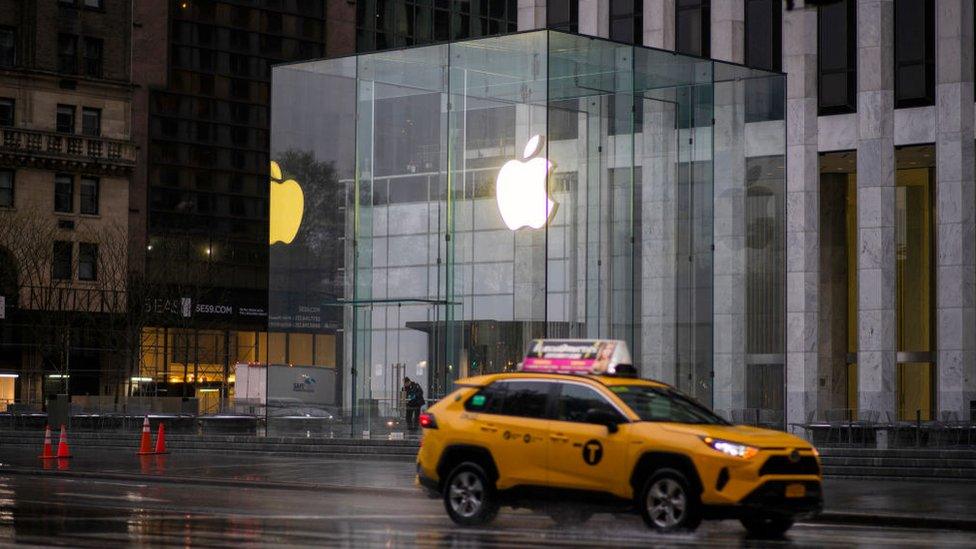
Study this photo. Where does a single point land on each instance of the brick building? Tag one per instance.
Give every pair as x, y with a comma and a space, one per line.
66, 161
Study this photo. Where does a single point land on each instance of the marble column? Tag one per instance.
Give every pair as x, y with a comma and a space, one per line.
531, 14
802, 211
955, 201
659, 24
876, 261
658, 157
729, 305
594, 17
728, 30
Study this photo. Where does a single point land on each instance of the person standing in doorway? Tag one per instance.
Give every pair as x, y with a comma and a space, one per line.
414, 397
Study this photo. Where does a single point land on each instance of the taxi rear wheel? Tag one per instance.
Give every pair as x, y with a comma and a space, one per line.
767, 527
667, 502
469, 497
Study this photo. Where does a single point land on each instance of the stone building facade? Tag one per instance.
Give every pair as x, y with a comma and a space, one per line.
66, 161
880, 227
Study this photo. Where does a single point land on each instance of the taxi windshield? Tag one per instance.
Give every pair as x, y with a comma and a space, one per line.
661, 404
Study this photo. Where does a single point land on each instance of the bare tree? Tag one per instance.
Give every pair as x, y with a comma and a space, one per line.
61, 311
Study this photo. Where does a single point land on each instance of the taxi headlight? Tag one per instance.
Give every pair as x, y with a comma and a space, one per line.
733, 449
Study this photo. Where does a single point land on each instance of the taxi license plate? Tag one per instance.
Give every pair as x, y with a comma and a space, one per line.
795, 490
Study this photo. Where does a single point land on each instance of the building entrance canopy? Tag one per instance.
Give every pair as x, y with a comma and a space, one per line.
447, 204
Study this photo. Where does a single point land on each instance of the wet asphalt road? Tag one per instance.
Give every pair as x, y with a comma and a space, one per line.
49, 510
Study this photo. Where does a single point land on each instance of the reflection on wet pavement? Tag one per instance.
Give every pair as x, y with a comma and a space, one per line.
86, 512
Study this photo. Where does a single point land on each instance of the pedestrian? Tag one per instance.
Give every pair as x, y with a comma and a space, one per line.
414, 396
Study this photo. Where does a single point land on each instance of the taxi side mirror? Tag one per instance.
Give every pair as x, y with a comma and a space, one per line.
603, 417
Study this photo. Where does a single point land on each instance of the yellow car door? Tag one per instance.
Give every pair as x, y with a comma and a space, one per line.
515, 427
583, 454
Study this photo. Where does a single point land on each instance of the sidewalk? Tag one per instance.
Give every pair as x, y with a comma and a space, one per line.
874, 502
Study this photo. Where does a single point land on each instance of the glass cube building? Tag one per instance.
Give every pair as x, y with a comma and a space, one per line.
437, 207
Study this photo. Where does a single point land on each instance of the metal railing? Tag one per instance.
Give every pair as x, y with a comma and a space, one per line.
68, 146
868, 428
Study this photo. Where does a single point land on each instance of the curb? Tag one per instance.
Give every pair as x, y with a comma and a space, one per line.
233, 483
898, 521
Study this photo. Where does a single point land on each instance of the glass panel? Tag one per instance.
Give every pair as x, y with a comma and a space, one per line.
590, 268
749, 272
915, 276
498, 247
399, 229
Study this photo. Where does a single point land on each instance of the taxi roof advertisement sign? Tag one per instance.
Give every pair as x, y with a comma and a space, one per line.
573, 356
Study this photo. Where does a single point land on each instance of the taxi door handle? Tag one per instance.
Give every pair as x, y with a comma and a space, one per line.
559, 437
489, 428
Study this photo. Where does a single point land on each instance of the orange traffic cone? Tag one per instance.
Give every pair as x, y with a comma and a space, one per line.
63, 451
145, 445
161, 440
48, 452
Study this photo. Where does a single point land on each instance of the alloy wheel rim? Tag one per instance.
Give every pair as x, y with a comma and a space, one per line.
666, 503
466, 494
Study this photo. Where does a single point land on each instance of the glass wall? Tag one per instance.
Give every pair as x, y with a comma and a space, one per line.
486, 192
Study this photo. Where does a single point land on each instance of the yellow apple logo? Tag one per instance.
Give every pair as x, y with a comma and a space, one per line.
287, 207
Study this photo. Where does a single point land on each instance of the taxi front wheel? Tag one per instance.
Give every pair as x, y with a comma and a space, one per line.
469, 496
668, 504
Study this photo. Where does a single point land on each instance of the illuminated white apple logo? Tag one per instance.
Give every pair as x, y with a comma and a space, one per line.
520, 189
287, 207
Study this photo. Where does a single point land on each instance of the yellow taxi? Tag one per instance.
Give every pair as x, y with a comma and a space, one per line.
576, 432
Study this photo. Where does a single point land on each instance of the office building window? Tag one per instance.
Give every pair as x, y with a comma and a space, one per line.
6, 188
837, 57
64, 192
915, 281
6, 111
8, 49
61, 264
93, 57
87, 261
67, 54
764, 97
563, 15
763, 29
692, 27
96, 4
66, 118
89, 195
627, 21
914, 53
91, 121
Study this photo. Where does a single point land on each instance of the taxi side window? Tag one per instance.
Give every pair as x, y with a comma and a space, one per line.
575, 402
526, 399
488, 400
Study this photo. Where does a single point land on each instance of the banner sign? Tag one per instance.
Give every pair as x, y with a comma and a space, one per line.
570, 356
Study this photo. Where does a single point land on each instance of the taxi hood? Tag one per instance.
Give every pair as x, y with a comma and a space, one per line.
743, 434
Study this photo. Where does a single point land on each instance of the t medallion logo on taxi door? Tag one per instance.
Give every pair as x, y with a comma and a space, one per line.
523, 199
592, 452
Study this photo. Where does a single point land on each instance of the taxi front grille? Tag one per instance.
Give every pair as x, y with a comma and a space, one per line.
782, 465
